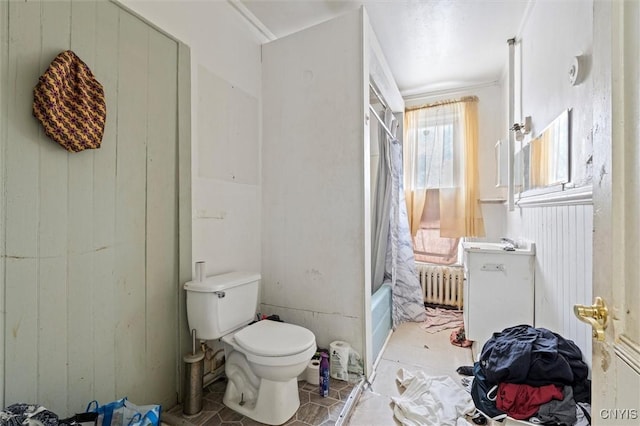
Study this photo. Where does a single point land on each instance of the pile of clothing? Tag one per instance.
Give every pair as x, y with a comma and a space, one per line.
36, 415
532, 374
27, 415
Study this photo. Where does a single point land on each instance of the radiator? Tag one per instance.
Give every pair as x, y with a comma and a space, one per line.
441, 285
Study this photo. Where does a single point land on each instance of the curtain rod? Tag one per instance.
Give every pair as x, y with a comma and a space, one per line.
446, 102
378, 95
384, 126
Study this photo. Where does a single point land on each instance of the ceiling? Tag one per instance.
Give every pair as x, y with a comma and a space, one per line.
430, 45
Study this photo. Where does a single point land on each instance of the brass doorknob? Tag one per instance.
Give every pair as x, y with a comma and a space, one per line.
596, 315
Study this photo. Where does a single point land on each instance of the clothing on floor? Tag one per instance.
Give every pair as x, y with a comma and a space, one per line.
27, 415
458, 338
523, 401
523, 356
431, 401
465, 370
439, 319
559, 412
483, 394
583, 414
582, 391
534, 356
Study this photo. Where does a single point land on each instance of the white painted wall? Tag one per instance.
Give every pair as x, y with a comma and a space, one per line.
546, 57
314, 152
225, 102
491, 110
563, 234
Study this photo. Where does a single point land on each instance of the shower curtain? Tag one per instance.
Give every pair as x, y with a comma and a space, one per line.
393, 258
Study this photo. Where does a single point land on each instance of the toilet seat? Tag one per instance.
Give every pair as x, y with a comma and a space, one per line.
272, 338
261, 341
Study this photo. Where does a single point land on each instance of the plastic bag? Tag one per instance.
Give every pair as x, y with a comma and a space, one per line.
355, 366
125, 413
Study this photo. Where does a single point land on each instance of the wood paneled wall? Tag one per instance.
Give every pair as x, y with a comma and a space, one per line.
563, 274
90, 240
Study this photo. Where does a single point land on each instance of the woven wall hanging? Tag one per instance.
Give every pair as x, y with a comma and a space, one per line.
69, 103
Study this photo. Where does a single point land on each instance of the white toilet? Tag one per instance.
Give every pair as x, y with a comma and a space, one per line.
264, 359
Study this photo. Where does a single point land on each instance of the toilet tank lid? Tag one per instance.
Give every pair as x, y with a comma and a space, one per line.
222, 282
272, 338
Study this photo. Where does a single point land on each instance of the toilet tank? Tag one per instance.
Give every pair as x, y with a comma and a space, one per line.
220, 304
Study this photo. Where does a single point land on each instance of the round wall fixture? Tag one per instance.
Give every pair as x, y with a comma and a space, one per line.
574, 71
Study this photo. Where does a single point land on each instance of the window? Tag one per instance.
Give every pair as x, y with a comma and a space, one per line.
428, 245
440, 166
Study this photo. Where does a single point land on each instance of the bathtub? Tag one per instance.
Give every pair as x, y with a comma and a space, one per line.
380, 317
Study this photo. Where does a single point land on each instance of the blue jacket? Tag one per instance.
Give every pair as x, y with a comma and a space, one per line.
534, 356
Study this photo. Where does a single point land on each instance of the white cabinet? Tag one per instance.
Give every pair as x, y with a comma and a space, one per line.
498, 290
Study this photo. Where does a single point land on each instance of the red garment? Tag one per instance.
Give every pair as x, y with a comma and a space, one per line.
523, 401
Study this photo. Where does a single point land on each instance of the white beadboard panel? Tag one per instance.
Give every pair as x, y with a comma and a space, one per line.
90, 272
53, 230
563, 237
21, 342
22, 139
21, 201
185, 249
4, 50
80, 325
80, 318
52, 332
104, 205
131, 207
162, 236
53, 165
103, 337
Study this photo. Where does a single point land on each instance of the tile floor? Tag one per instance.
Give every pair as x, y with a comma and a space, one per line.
409, 347
314, 410
412, 348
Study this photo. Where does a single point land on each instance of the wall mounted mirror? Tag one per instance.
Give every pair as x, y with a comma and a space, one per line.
544, 161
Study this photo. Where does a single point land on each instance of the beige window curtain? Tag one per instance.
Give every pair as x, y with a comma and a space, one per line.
541, 170
441, 152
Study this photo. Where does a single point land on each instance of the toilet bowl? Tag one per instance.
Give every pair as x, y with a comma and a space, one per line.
262, 360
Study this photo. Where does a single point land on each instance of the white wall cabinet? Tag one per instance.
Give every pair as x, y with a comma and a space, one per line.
498, 290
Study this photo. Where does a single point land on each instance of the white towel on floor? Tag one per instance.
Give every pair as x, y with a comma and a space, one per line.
439, 319
431, 400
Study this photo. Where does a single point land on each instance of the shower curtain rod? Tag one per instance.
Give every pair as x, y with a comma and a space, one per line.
384, 126
378, 95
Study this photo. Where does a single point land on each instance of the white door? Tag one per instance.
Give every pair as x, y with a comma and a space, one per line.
616, 247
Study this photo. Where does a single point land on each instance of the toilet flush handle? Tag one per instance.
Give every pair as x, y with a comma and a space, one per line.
220, 294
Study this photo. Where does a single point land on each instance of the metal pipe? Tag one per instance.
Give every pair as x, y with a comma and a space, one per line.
378, 95
511, 143
384, 126
194, 373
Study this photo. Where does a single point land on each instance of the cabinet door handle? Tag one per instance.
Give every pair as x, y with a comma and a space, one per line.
493, 267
